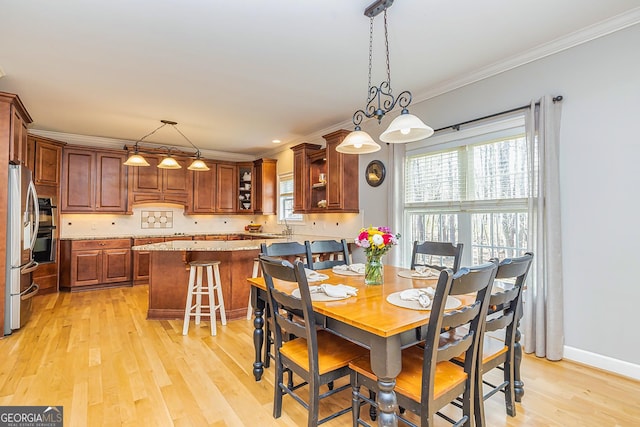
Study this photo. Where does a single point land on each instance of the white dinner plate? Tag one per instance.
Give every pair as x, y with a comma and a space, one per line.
341, 272
409, 274
318, 296
394, 298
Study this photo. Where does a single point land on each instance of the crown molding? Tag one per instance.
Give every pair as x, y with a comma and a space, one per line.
595, 31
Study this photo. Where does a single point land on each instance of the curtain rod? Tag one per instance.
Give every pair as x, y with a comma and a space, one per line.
457, 126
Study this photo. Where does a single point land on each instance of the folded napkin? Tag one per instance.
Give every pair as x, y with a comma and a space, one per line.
335, 291
314, 276
356, 268
423, 296
424, 272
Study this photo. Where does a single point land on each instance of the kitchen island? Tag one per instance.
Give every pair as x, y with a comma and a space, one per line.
169, 272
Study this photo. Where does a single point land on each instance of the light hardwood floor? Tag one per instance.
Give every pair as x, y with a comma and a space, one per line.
95, 354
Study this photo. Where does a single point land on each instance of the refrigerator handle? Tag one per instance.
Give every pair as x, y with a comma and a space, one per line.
31, 266
36, 208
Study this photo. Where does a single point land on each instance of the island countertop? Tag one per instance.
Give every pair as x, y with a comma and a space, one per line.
225, 245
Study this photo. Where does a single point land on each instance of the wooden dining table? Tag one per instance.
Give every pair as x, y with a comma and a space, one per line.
367, 319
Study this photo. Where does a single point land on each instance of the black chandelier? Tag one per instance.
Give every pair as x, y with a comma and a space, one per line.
168, 162
380, 101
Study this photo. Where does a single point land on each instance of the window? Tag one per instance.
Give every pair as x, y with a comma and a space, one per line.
285, 203
473, 187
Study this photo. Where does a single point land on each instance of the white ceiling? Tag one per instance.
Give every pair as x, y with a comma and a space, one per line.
237, 74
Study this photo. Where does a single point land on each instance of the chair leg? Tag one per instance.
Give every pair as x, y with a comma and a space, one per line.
277, 391
355, 399
509, 390
198, 294
212, 301
223, 315
373, 411
314, 392
187, 309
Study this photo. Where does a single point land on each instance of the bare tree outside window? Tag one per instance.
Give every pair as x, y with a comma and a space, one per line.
475, 193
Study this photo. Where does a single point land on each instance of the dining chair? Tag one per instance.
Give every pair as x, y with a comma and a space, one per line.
447, 254
498, 350
429, 380
291, 251
318, 357
327, 253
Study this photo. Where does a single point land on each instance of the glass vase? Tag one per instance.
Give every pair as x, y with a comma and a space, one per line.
373, 271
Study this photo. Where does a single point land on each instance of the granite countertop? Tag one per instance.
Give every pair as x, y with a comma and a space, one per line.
223, 245
185, 235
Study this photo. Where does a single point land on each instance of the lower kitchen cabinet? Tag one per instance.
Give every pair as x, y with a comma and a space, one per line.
142, 259
86, 264
46, 277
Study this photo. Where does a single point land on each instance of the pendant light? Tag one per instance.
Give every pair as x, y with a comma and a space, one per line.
380, 101
168, 162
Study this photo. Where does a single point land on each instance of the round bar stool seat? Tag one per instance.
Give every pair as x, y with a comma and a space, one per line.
197, 290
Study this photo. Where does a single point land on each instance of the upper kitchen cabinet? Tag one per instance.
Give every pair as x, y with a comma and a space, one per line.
302, 179
45, 160
93, 181
324, 179
149, 184
342, 175
15, 120
246, 188
265, 192
226, 193
203, 197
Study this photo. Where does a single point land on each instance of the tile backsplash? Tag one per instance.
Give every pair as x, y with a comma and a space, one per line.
152, 220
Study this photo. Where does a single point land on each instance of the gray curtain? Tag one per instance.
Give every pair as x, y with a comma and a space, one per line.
543, 298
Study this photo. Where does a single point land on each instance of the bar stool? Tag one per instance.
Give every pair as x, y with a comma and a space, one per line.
254, 274
196, 289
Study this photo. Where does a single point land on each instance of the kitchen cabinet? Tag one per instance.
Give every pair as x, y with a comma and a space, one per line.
302, 175
45, 160
46, 277
141, 260
226, 193
245, 191
93, 181
342, 175
95, 263
149, 184
15, 121
325, 181
203, 197
265, 191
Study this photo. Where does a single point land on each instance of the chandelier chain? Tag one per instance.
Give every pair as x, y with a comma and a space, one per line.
386, 43
370, 54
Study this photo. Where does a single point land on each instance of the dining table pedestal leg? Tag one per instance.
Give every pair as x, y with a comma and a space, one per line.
258, 332
387, 402
518, 384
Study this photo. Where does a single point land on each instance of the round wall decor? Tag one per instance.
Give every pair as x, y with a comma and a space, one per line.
375, 173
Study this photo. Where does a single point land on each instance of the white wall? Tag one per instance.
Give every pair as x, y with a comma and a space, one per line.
600, 82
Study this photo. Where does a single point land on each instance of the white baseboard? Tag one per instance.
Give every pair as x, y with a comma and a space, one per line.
599, 361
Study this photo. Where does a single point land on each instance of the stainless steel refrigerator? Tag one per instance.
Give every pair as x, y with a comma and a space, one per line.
22, 230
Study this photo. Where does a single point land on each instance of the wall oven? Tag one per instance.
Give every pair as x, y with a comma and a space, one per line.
44, 249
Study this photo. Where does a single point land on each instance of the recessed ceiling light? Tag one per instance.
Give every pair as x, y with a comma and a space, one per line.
276, 141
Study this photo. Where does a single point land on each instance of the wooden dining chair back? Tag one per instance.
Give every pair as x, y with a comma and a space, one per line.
436, 255
498, 349
429, 381
327, 253
316, 356
291, 251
